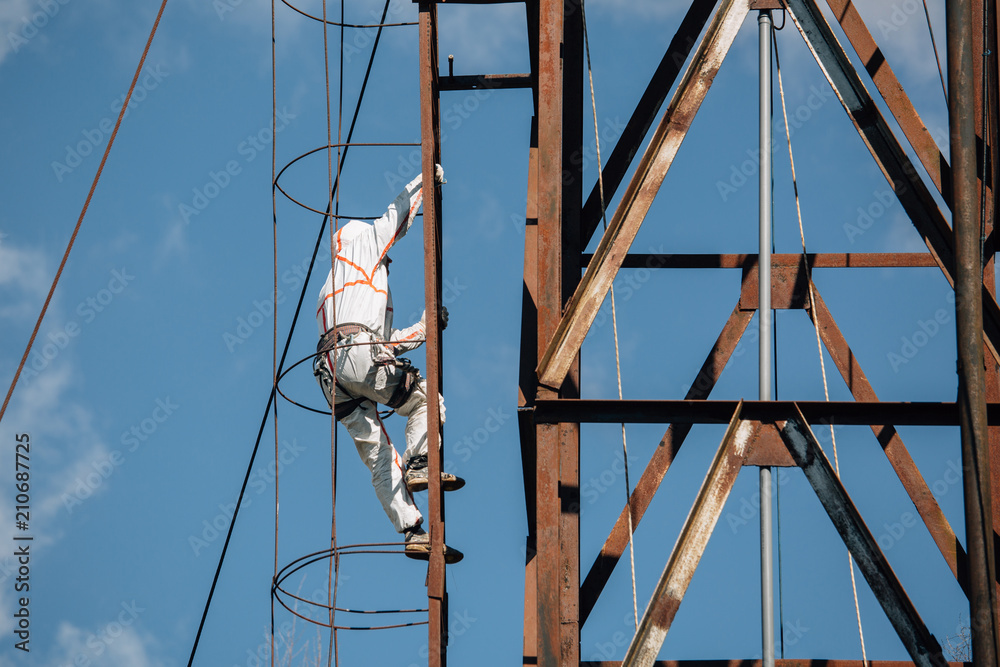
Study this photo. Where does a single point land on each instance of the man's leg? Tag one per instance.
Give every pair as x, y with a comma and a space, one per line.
381, 458
376, 451
415, 411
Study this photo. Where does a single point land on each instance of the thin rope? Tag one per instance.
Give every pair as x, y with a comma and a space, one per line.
819, 344
937, 59
614, 315
83, 212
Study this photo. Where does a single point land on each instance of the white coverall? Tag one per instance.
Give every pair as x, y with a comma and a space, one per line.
366, 370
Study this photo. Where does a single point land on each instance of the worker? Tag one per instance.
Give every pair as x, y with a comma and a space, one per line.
360, 340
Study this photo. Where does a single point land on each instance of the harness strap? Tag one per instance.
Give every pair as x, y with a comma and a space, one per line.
330, 337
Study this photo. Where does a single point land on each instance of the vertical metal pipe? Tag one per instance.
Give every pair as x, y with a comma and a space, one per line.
969, 323
764, 317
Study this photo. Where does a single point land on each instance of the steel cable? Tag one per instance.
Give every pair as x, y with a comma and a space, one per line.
83, 212
284, 354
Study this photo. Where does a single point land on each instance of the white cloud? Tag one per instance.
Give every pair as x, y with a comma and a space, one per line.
25, 271
117, 643
43, 407
15, 15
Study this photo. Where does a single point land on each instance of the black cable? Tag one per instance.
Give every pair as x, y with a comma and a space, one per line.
284, 354
930, 29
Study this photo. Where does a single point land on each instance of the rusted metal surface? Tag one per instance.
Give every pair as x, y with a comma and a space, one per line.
431, 155
969, 324
780, 662
659, 463
826, 260
644, 114
597, 411
789, 284
530, 650
889, 155
687, 552
892, 444
768, 449
804, 448
988, 108
549, 202
588, 297
895, 97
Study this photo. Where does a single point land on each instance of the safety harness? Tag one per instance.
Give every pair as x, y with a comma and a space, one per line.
328, 341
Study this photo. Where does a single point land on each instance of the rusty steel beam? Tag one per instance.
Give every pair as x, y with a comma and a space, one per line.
687, 552
902, 176
659, 463
549, 274
892, 444
806, 450
969, 339
987, 108
826, 260
430, 142
644, 114
916, 133
780, 662
599, 411
652, 169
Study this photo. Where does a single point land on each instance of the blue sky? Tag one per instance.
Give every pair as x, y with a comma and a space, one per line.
152, 369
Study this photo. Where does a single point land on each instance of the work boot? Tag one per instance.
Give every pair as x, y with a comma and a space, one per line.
416, 476
418, 547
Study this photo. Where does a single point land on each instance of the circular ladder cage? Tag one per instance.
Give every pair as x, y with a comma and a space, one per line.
323, 613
